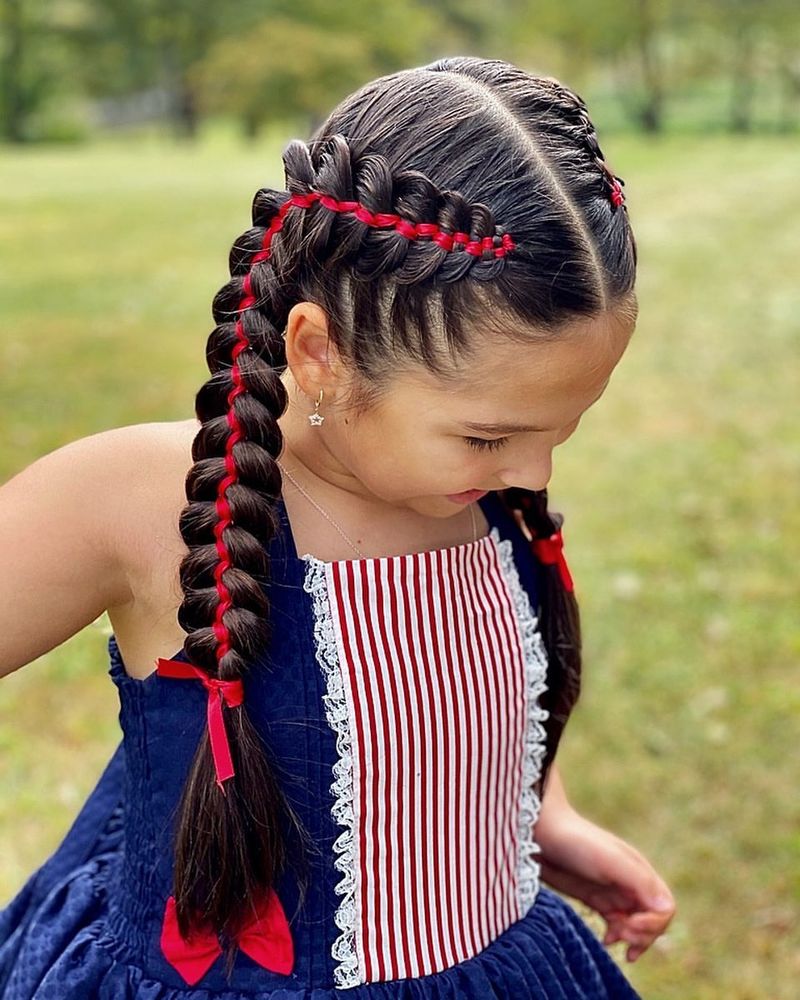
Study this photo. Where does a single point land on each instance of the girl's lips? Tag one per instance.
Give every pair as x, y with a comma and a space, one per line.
468, 496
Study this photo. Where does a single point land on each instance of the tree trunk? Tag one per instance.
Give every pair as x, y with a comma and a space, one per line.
743, 83
790, 92
11, 73
186, 115
651, 111
250, 127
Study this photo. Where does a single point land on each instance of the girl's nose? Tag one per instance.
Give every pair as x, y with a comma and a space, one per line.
533, 474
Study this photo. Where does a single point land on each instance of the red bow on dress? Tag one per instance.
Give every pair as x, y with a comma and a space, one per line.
550, 551
266, 938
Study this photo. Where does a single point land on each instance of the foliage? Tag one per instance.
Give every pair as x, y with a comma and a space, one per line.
280, 71
300, 60
269, 60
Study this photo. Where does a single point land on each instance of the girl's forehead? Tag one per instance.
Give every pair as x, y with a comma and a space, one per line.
500, 369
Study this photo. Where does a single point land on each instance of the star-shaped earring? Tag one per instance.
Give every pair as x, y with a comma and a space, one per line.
316, 418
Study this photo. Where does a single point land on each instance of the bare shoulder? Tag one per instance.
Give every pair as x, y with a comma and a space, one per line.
138, 474
92, 527
148, 465
152, 461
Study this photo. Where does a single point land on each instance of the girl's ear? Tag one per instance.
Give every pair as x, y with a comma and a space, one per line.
311, 355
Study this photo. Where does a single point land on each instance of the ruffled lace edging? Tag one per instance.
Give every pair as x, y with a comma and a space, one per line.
346, 974
535, 657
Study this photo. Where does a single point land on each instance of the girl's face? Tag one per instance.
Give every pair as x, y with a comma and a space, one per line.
426, 441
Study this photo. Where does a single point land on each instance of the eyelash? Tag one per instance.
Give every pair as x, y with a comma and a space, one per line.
482, 444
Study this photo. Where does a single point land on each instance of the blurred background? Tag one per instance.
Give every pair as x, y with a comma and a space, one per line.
135, 133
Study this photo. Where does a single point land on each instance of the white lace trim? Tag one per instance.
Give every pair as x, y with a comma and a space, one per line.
347, 973
528, 869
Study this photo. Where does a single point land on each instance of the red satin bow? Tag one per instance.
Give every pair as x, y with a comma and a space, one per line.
550, 551
231, 692
266, 938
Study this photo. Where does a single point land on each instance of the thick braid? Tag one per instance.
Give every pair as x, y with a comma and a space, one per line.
229, 846
559, 621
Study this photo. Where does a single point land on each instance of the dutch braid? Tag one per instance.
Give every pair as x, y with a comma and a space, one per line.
559, 623
228, 847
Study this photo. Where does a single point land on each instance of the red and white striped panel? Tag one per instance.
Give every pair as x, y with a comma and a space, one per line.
433, 706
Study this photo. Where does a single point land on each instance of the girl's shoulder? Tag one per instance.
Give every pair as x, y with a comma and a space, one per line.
90, 527
148, 489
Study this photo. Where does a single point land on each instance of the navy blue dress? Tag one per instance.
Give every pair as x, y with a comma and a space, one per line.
379, 918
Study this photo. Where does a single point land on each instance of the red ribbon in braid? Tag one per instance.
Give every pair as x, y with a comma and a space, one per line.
550, 551
379, 220
231, 693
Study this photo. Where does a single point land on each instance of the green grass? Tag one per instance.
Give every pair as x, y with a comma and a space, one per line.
680, 492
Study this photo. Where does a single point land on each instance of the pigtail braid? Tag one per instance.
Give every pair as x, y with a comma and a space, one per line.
559, 621
229, 846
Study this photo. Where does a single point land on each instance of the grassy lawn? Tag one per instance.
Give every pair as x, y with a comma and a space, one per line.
680, 490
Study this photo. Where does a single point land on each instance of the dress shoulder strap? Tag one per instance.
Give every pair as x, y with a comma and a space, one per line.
500, 516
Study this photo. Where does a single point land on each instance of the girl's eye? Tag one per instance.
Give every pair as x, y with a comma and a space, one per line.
484, 444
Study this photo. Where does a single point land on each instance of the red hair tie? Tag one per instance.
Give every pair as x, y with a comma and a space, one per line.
550, 551
229, 692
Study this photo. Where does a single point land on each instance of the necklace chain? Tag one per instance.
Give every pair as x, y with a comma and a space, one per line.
324, 513
344, 535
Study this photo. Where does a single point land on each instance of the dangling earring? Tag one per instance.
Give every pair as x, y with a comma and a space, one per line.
316, 418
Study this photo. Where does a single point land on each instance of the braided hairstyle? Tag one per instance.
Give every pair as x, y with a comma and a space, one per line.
461, 189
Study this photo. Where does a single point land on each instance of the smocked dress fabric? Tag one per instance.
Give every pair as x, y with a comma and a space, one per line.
399, 705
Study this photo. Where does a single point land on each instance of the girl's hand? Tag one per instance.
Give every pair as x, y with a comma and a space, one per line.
609, 875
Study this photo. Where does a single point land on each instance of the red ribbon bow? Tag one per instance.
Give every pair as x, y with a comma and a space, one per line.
550, 551
231, 692
266, 938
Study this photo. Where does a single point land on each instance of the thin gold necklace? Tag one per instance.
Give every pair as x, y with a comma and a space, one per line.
339, 529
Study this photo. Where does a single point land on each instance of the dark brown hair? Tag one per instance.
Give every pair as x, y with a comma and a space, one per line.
472, 145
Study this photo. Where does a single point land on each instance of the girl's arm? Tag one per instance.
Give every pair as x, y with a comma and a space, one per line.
61, 526
587, 862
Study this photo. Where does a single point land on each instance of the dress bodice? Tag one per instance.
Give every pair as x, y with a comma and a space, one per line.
398, 705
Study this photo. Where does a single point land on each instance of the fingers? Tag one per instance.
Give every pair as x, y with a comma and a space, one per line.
639, 930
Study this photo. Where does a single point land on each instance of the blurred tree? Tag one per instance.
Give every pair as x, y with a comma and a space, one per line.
263, 60
784, 31
735, 24
139, 44
756, 40
296, 63
35, 63
574, 38
469, 27
13, 84
280, 70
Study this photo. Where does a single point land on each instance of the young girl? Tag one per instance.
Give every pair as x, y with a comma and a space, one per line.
341, 773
